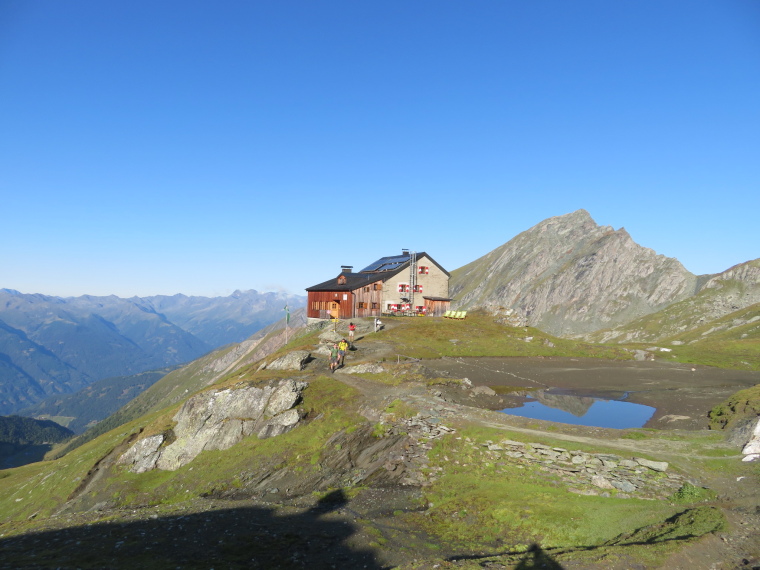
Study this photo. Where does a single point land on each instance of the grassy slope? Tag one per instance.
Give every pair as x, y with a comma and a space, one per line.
745, 404
723, 343
479, 335
475, 504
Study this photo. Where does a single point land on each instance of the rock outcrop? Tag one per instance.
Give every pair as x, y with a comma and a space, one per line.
295, 360
218, 419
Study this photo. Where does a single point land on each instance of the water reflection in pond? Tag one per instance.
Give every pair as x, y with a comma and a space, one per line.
583, 410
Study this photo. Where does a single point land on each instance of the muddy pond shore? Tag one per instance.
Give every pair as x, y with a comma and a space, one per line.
682, 394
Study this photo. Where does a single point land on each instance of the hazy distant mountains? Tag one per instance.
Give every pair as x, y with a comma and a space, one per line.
569, 276
53, 345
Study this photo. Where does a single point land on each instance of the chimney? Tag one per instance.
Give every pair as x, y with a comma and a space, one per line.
346, 268
404, 251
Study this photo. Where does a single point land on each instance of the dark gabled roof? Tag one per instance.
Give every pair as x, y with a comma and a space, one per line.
353, 281
382, 269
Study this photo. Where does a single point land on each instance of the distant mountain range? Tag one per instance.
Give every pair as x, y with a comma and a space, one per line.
569, 276
53, 345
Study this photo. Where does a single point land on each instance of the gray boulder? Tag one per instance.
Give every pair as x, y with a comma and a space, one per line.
753, 445
295, 360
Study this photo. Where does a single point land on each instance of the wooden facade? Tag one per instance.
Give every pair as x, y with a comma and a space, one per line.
436, 306
346, 303
369, 300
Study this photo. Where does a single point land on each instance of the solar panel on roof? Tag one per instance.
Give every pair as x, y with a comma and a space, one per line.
387, 263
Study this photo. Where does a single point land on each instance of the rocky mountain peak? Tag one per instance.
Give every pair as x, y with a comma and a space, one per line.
568, 275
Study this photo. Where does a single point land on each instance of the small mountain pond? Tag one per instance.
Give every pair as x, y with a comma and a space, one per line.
583, 410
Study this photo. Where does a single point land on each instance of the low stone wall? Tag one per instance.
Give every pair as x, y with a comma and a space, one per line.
602, 474
592, 474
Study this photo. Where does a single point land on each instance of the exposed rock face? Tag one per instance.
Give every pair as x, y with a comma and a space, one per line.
218, 419
143, 454
295, 360
568, 275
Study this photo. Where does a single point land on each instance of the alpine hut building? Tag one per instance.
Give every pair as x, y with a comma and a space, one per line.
407, 284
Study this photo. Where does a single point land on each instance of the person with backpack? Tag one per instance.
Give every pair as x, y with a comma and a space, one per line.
334, 356
342, 348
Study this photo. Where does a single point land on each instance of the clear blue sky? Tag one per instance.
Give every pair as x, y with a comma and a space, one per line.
201, 147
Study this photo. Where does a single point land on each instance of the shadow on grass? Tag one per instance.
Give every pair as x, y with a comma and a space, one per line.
251, 537
678, 530
537, 558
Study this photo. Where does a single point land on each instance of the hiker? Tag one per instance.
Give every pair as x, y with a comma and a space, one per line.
342, 348
334, 357
351, 330
378, 324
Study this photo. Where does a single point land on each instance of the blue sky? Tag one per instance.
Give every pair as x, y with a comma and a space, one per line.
202, 147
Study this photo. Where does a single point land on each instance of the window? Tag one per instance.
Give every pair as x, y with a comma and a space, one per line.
403, 287
374, 305
362, 305
418, 288
377, 287
420, 309
366, 289
342, 280
423, 270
